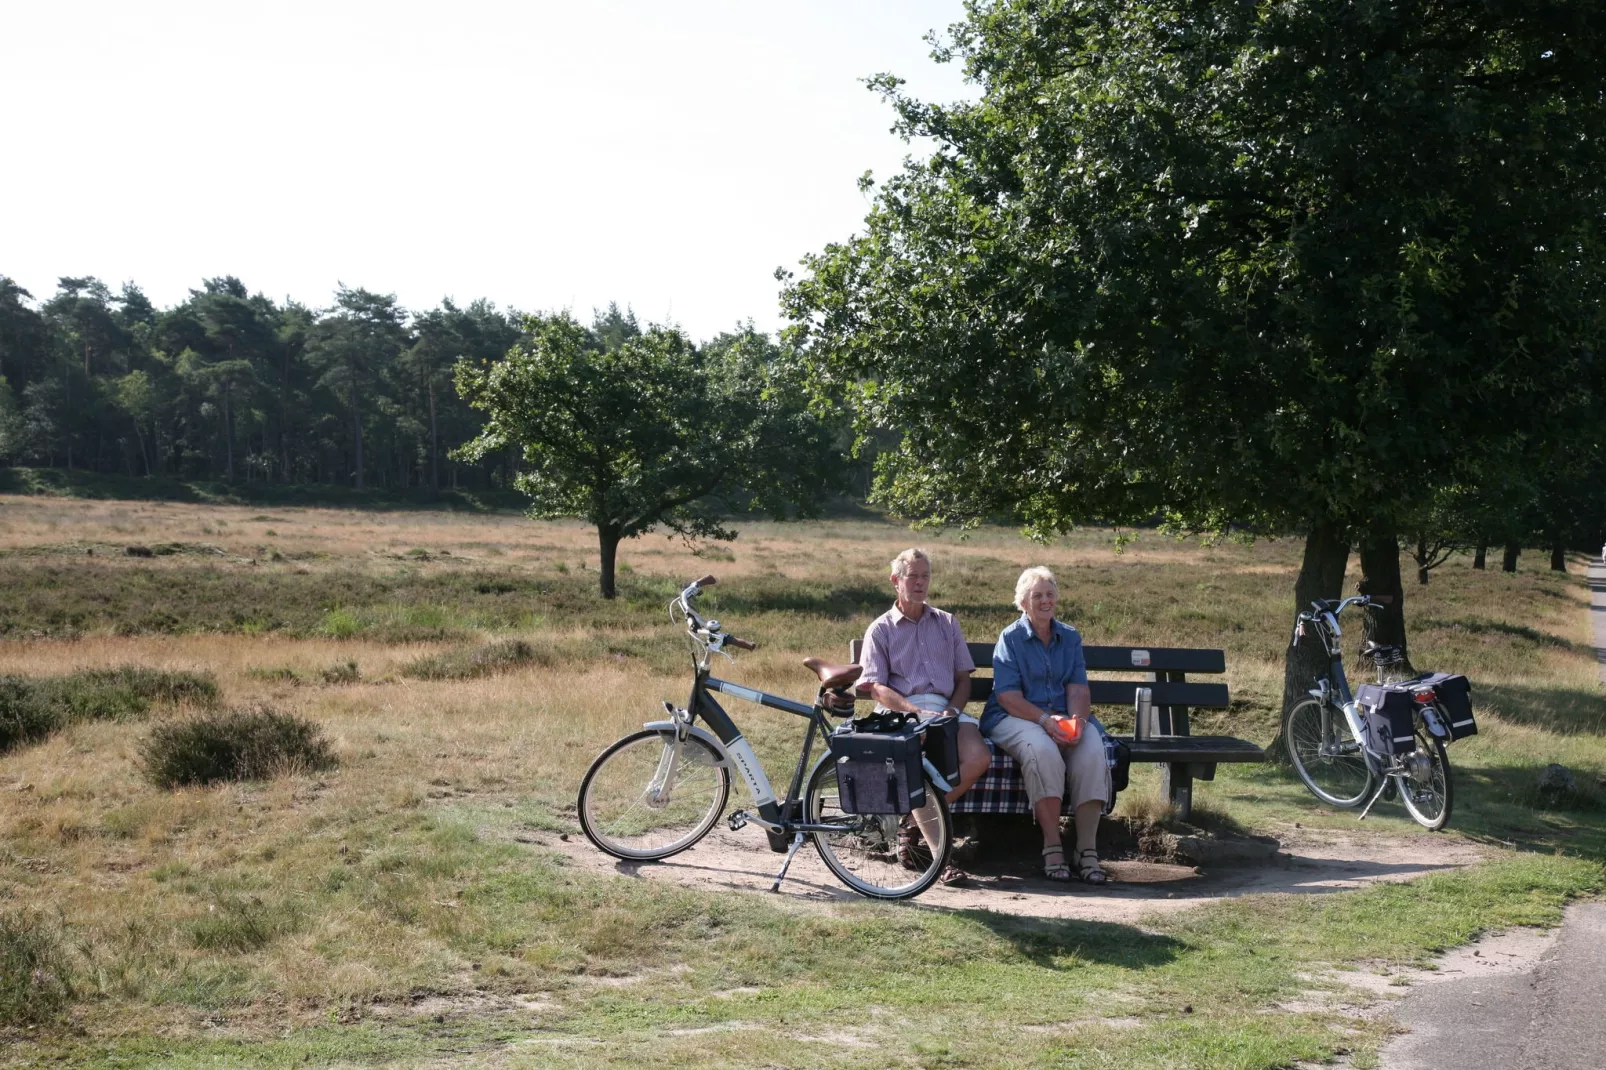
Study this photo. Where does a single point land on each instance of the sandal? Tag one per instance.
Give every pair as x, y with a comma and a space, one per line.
1090, 874
1055, 871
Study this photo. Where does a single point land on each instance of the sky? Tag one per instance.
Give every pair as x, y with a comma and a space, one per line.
667, 155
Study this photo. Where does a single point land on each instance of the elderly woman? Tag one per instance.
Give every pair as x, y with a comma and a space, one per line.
1039, 713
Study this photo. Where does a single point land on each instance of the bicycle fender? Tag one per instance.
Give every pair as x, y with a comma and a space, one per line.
695, 730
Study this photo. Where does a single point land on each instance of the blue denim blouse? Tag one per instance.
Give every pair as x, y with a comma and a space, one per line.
1022, 663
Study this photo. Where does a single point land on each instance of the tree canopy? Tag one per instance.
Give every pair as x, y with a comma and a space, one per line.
1291, 266
633, 430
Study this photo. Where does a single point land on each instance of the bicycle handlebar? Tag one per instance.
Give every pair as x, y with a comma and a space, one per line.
740, 644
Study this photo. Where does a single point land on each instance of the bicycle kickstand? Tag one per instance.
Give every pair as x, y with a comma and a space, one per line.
797, 841
1383, 782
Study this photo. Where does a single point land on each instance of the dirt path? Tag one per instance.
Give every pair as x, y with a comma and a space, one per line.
1314, 863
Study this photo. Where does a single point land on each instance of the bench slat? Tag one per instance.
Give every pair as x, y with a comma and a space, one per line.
1124, 693
1111, 658
1193, 749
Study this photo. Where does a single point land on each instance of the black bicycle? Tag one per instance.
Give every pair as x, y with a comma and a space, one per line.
658, 791
1350, 752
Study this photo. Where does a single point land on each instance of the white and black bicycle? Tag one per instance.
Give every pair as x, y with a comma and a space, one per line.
658, 791
1387, 738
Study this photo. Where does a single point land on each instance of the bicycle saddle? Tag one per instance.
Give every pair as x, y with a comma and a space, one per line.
832, 675
1382, 653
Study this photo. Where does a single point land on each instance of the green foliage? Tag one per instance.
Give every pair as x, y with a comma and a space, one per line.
465, 664
233, 386
35, 984
250, 744
1238, 263
34, 708
634, 430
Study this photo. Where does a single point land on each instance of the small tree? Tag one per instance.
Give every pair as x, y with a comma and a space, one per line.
636, 431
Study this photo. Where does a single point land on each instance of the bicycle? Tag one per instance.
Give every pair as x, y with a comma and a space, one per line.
659, 791
1327, 734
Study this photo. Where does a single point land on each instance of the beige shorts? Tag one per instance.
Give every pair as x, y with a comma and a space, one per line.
1078, 772
938, 703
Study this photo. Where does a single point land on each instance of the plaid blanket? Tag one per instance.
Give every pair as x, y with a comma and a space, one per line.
1001, 789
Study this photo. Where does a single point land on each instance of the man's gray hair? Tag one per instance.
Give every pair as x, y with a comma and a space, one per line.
1029, 579
901, 563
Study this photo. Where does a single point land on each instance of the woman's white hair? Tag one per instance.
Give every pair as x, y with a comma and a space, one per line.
1029, 579
901, 563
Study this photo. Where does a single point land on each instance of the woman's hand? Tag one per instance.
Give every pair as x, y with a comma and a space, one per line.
1062, 729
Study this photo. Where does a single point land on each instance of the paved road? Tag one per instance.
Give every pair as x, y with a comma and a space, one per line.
1597, 607
1550, 1017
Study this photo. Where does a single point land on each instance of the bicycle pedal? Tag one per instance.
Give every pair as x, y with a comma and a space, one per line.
737, 821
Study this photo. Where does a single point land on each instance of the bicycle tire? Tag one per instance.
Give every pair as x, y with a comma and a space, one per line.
617, 813
1344, 781
1443, 788
866, 855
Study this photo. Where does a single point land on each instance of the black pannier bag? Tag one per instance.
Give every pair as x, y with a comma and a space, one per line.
1387, 717
879, 772
942, 747
1118, 756
1454, 693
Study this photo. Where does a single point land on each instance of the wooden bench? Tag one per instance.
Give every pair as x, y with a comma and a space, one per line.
1183, 757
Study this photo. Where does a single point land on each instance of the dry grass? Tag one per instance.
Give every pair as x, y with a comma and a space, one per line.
280, 903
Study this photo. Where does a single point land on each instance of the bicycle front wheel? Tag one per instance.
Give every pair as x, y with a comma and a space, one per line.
646, 798
1425, 786
1328, 758
882, 856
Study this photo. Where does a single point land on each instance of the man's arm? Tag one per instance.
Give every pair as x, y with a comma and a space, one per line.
892, 700
961, 693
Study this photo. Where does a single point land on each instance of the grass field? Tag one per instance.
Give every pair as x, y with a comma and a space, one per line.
397, 911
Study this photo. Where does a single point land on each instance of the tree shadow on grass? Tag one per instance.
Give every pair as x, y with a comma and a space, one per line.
1502, 804
1066, 944
851, 602
1481, 626
1564, 710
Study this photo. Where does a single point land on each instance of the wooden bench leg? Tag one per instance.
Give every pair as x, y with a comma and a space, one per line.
1176, 780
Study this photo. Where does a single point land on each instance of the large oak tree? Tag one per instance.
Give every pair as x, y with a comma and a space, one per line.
1288, 265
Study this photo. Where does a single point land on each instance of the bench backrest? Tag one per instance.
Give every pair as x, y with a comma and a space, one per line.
1165, 667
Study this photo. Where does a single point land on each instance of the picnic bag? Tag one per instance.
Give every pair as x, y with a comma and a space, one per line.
1454, 693
1386, 716
942, 747
879, 772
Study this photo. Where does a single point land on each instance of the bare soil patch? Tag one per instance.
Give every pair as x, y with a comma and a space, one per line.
1308, 865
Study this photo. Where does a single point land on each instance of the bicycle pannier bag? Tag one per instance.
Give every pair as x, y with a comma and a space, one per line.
1389, 721
942, 747
879, 772
1454, 693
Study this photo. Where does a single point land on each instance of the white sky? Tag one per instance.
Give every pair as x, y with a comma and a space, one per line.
667, 155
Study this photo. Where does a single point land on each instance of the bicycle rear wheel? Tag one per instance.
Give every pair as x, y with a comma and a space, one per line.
641, 801
1331, 763
1426, 788
882, 856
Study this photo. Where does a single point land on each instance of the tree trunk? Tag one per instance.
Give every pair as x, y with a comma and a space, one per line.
1558, 555
228, 426
356, 431
1479, 554
1380, 574
608, 544
1422, 560
1508, 563
434, 443
1321, 575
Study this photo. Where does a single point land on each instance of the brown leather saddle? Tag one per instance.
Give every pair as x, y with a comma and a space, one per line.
834, 682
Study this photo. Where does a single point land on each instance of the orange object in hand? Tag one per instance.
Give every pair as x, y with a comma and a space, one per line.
1065, 729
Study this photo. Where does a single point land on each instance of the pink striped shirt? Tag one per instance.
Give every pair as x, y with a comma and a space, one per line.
915, 657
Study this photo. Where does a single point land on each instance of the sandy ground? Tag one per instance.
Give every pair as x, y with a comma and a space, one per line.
1313, 864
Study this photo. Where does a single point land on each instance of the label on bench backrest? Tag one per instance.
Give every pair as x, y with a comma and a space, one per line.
1140, 657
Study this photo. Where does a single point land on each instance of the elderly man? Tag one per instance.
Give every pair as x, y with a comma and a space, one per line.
915, 660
